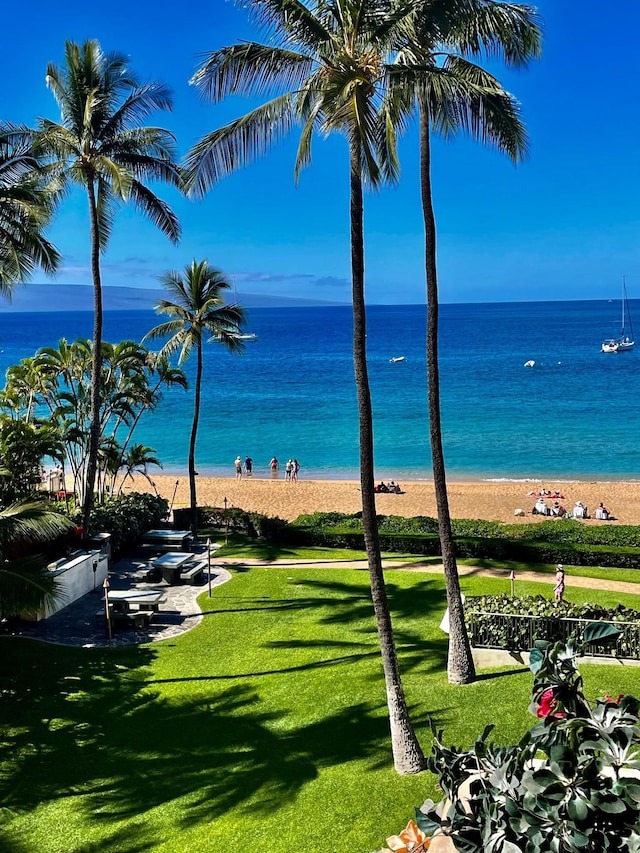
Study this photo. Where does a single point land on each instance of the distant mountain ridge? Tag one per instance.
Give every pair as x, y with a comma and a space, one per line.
79, 297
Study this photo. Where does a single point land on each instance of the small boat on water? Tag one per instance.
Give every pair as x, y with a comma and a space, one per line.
530, 363
240, 336
396, 359
625, 342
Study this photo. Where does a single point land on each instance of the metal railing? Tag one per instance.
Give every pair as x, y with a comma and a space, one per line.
517, 633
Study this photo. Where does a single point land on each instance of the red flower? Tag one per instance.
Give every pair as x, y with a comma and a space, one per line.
548, 704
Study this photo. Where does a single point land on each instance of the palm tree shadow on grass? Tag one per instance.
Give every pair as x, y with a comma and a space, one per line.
342, 603
92, 726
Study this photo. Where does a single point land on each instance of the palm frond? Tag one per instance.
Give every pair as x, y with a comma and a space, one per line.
250, 69
511, 31
156, 210
238, 143
290, 19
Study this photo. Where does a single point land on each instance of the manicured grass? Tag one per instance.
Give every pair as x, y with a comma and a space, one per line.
263, 729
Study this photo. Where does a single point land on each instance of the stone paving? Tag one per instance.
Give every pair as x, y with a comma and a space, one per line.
83, 623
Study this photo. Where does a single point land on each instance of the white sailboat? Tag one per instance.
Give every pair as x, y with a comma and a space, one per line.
625, 342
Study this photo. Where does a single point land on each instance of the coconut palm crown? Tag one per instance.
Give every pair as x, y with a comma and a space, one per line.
199, 313
102, 145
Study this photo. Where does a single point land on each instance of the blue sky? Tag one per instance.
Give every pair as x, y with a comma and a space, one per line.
562, 225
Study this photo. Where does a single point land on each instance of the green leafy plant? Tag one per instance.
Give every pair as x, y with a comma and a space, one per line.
571, 784
127, 517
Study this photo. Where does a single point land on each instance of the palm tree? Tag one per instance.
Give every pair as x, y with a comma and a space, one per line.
27, 201
198, 309
101, 145
138, 458
25, 585
452, 93
325, 73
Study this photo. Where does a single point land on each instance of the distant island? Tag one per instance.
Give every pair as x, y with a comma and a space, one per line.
78, 297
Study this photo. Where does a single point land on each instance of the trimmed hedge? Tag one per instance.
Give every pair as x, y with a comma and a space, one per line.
558, 541
516, 624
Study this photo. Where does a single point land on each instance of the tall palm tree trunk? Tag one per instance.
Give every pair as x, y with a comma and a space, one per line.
460, 666
407, 754
192, 443
96, 361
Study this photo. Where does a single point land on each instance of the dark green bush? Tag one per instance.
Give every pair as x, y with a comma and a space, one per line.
553, 541
237, 520
127, 517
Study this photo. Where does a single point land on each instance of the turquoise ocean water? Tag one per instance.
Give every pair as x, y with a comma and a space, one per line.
576, 414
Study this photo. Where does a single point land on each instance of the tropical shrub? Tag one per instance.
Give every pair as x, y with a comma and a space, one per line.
127, 517
571, 784
237, 520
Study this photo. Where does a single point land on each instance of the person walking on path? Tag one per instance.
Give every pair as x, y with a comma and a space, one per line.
248, 465
238, 464
558, 590
274, 467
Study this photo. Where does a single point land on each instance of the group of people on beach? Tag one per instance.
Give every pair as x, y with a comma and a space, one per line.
579, 510
291, 468
247, 465
388, 488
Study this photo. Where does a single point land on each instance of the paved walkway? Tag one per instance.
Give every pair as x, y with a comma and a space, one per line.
437, 569
83, 623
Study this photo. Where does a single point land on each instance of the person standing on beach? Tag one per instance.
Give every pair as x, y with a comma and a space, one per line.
238, 464
274, 467
248, 465
294, 470
288, 468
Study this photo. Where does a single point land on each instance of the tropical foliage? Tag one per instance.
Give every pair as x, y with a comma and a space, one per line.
198, 310
27, 200
47, 396
127, 517
102, 145
571, 784
25, 585
23, 446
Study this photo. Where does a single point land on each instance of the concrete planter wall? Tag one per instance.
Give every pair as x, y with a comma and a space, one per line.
74, 578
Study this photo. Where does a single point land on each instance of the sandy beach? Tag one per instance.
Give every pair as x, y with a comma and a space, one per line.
495, 501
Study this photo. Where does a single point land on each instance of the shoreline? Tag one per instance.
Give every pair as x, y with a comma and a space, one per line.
490, 500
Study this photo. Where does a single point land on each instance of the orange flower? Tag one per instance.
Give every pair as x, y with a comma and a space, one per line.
410, 840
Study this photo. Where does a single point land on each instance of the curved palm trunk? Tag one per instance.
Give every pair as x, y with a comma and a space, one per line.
461, 669
407, 754
192, 444
96, 362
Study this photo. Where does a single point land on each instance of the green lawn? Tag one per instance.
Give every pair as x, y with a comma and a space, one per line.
263, 729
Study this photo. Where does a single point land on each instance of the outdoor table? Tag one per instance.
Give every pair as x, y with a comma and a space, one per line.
171, 565
171, 539
143, 599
